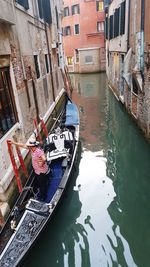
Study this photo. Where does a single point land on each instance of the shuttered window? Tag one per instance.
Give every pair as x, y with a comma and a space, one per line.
116, 22
40, 9
45, 10
111, 27
106, 28
122, 19
23, 3
57, 17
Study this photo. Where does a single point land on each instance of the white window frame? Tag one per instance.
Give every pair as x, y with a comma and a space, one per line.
101, 26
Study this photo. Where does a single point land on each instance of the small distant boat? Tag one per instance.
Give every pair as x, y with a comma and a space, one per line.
30, 215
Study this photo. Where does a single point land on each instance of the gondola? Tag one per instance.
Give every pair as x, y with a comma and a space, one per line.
30, 215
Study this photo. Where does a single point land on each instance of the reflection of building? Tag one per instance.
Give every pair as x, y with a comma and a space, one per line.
90, 102
128, 56
30, 79
128, 167
83, 35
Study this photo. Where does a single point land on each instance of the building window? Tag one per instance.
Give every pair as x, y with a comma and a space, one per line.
77, 55
23, 3
45, 10
46, 63
40, 9
76, 28
66, 11
116, 22
8, 115
69, 61
57, 17
106, 28
99, 6
88, 59
122, 19
37, 66
67, 30
100, 26
111, 27
75, 9
135, 87
58, 60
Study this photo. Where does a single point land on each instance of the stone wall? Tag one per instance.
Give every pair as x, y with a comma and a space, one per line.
19, 42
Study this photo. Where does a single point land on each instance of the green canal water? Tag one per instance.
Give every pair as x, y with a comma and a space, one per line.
104, 217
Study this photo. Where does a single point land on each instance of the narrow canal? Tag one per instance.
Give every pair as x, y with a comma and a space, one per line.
104, 218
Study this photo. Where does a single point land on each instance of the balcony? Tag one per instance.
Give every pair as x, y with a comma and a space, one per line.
7, 12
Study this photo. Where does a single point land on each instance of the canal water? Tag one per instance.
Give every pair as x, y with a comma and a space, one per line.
104, 218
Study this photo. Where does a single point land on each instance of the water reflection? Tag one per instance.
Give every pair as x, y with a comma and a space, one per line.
70, 233
128, 167
90, 96
104, 220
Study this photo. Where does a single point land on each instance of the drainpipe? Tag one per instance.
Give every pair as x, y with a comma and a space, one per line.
50, 62
142, 35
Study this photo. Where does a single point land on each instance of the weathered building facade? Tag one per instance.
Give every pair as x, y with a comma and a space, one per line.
83, 35
31, 59
128, 56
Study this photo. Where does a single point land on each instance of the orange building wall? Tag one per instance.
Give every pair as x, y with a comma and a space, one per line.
87, 20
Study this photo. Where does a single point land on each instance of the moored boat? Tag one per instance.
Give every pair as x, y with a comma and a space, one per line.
30, 215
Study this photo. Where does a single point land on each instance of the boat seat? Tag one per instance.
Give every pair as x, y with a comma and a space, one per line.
59, 141
65, 135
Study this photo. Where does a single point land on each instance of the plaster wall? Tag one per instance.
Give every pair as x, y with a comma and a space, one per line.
18, 45
7, 11
93, 66
119, 43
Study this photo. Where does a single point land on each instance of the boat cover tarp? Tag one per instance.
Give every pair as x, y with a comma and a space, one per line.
72, 115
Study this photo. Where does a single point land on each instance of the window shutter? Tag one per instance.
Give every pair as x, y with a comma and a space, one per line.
116, 22
111, 26
47, 11
72, 9
106, 28
97, 5
122, 20
78, 9
40, 9
23, 3
57, 21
